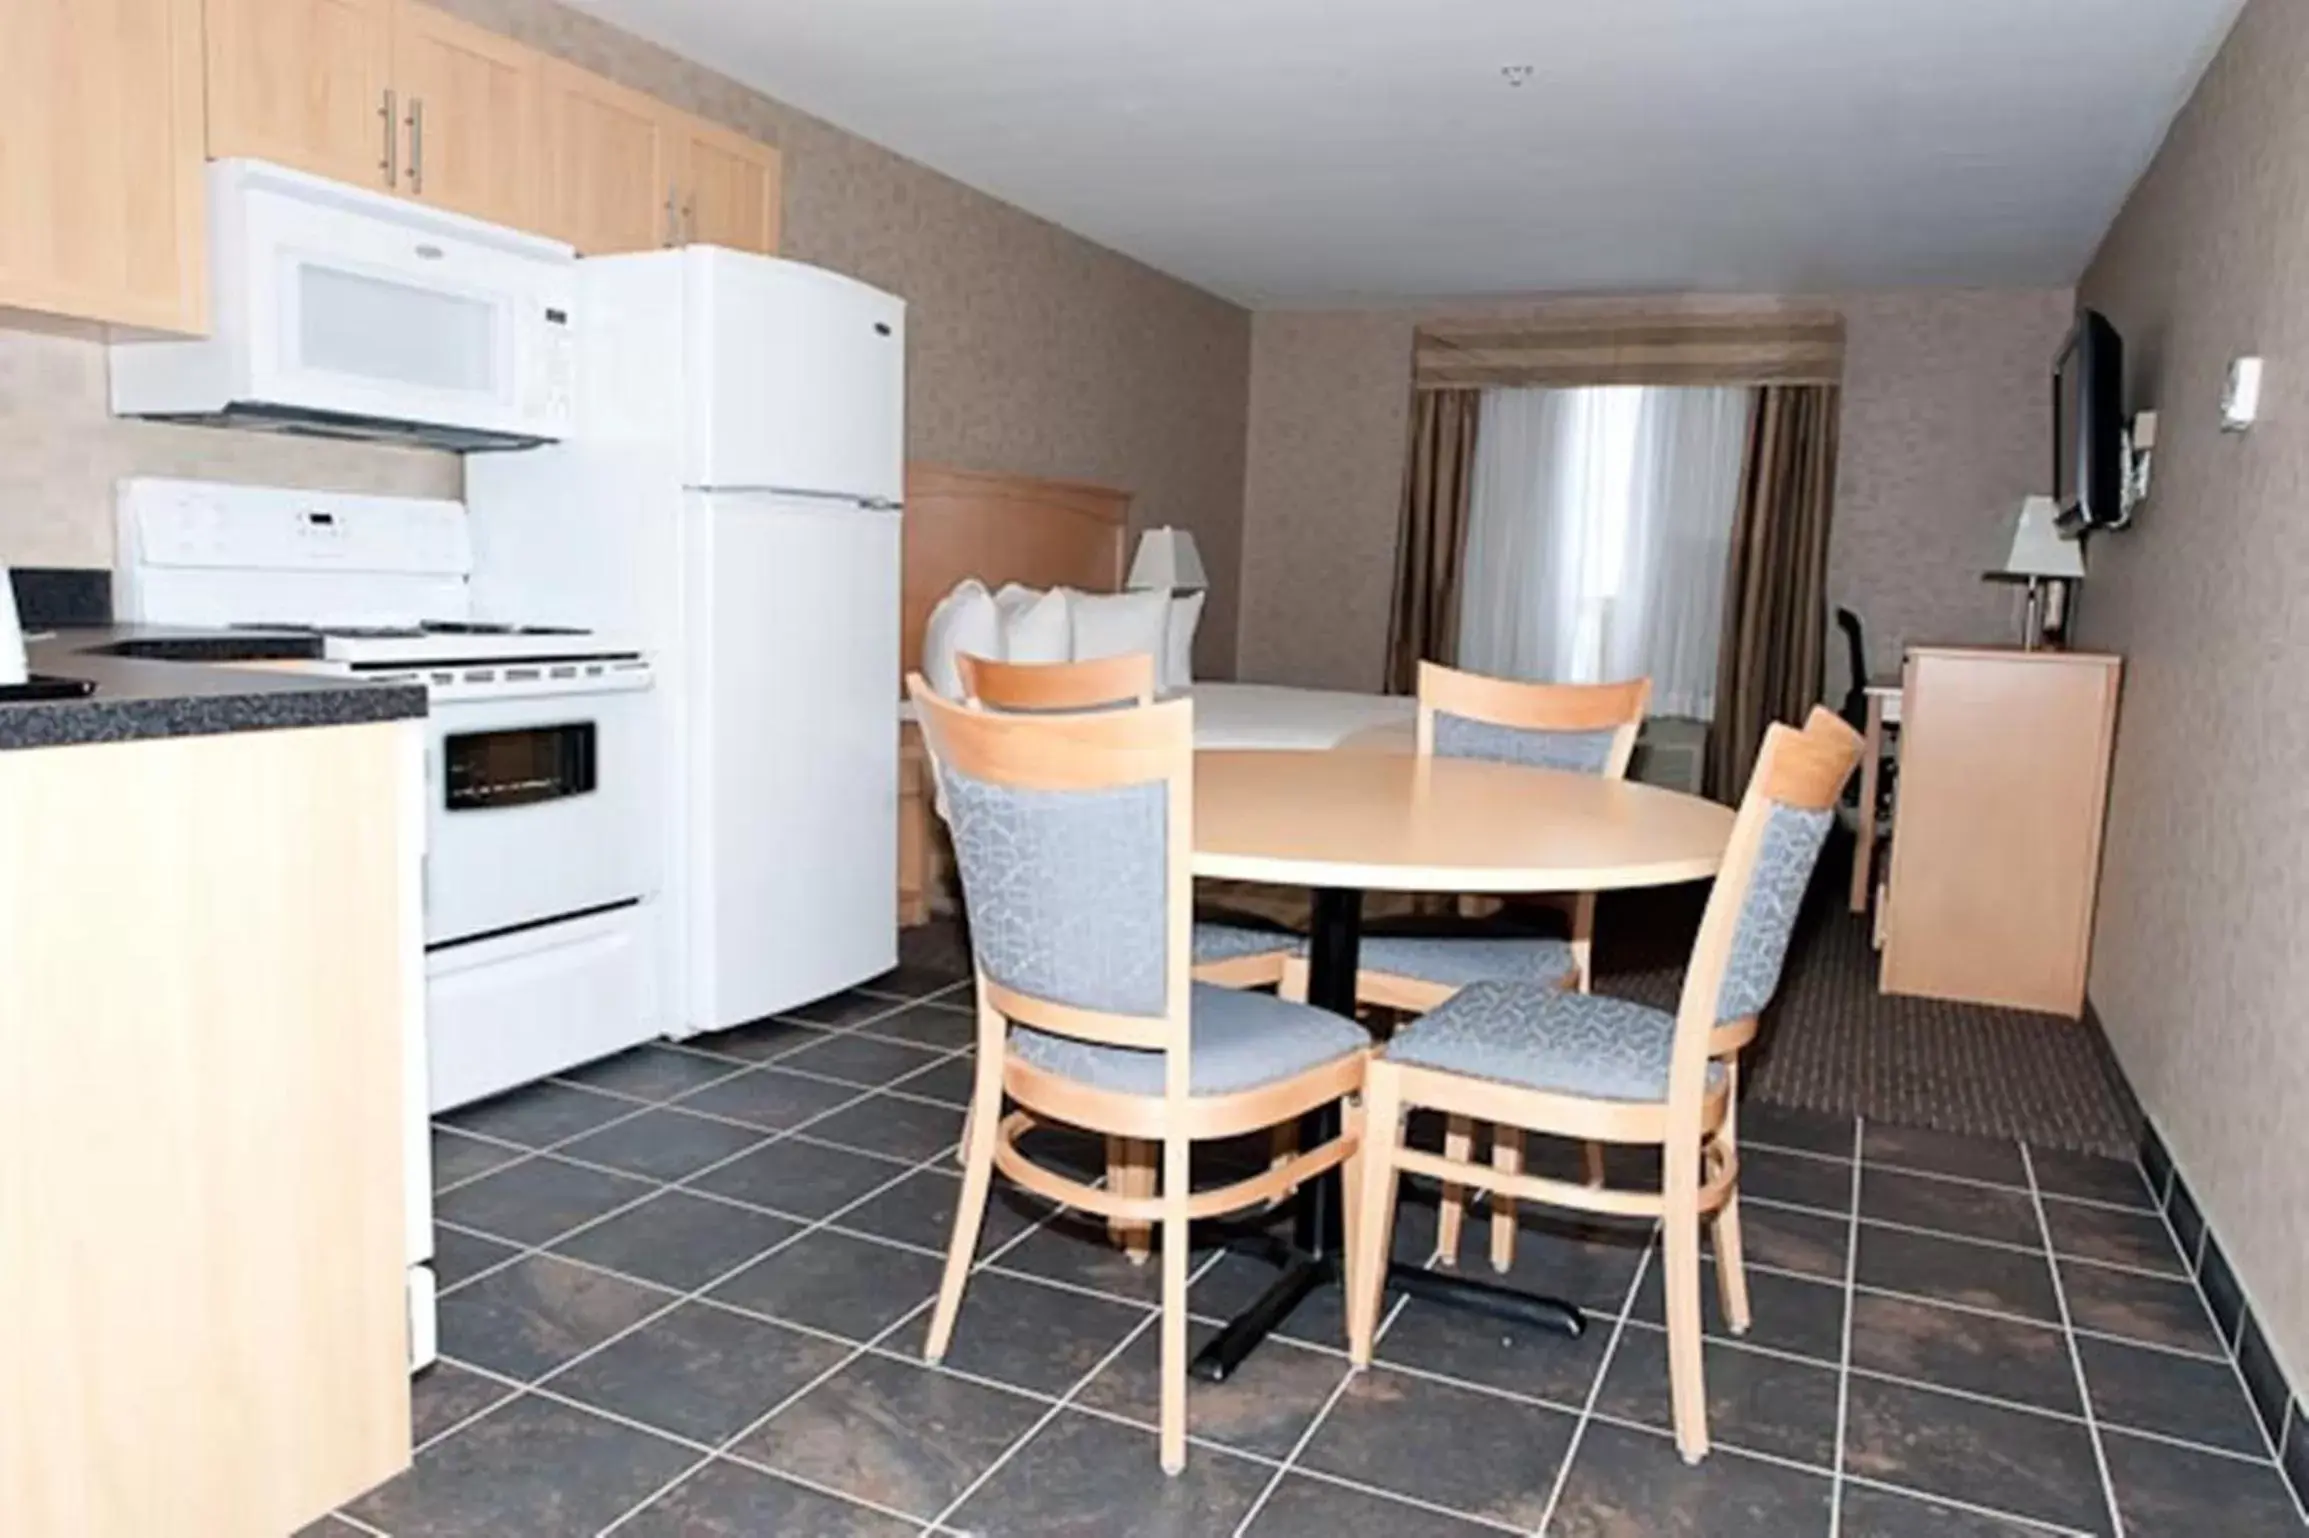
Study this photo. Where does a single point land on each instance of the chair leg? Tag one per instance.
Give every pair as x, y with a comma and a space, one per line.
1680, 1250
1293, 983
1507, 1158
1374, 1225
1175, 1157
1592, 1164
1459, 1147
1130, 1171
1351, 1122
1731, 1264
981, 1129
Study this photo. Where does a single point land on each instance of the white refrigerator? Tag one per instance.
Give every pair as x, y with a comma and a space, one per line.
729, 499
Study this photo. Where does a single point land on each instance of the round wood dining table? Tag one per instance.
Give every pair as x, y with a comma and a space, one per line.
1343, 822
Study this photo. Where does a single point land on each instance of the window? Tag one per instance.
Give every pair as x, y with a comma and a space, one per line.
1599, 532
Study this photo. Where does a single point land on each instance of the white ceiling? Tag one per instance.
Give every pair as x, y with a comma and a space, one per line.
1313, 151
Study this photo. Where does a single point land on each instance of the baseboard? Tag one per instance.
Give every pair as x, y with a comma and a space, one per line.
2278, 1402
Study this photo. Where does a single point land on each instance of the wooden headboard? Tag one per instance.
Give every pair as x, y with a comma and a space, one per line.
1004, 528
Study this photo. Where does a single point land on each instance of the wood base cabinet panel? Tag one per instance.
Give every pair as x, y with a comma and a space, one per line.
1996, 841
202, 1320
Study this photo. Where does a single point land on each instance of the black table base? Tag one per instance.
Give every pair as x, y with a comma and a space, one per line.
1311, 1257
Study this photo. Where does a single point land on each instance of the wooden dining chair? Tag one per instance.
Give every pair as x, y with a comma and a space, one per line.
1575, 1065
1073, 833
1229, 955
1584, 728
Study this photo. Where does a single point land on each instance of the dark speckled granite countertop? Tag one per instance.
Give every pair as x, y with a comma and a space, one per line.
153, 682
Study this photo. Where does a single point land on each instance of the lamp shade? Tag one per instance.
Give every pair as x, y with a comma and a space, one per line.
2038, 550
1167, 560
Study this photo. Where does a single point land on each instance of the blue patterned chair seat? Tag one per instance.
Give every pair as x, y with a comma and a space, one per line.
1454, 961
1231, 942
1546, 1039
1240, 1041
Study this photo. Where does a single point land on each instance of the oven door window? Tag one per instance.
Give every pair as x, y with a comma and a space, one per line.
518, 766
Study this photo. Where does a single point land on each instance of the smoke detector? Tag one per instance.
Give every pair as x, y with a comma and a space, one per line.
1515, 74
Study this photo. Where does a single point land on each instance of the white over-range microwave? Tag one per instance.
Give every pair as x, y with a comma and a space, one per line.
345, 312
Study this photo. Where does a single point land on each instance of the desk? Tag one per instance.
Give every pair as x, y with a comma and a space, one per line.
1883, 711
1343, 823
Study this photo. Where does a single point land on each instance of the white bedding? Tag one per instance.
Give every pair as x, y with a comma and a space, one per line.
1275, 716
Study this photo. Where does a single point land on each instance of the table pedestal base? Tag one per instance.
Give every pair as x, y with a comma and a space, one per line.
1311, 1259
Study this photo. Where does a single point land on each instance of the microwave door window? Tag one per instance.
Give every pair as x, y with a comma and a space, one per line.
357, 325
523, 766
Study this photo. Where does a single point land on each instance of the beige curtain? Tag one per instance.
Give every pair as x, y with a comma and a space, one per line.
1423, 624
1768, 667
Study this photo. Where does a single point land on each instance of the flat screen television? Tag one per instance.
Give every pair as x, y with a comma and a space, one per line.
2088, 426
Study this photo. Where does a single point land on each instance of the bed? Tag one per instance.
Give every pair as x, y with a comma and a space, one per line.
1044, 533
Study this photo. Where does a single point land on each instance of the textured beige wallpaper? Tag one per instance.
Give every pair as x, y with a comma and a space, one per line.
61, 451
2199, 966
1032, 350
1946, 409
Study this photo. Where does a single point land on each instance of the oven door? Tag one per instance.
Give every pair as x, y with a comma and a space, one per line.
538, 807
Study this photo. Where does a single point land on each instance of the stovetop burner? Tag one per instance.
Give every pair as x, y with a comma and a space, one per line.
418, 631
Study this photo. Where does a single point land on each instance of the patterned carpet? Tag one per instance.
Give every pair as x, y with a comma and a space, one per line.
1831, 1042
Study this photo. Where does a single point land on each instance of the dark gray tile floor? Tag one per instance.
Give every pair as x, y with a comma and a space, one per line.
684, 1292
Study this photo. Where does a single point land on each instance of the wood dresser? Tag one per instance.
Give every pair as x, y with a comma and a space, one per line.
1996, 842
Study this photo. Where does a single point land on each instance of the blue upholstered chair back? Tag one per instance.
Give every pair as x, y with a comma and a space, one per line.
1786, 853
1580, 752
1066, 890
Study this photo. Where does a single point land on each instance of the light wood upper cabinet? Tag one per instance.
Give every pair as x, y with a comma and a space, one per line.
469, 116
101, 215
729, 187
304, 83
609, 175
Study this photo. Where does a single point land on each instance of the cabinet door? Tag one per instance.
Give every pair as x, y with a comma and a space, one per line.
101, 213
729, 188
302, 82
469, 116
609, 185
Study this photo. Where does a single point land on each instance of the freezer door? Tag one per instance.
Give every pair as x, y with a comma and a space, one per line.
791, 621
799, 379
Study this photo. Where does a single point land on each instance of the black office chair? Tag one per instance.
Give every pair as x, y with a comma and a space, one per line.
1855, 710
1855, 707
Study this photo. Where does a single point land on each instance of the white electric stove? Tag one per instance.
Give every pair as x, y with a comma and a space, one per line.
542, 849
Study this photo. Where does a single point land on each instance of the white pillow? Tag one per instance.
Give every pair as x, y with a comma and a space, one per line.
1178, 658
1037, 626
1116, 624
966, 620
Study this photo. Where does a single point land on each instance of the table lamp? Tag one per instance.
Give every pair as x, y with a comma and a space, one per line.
2047, 563
1167, 561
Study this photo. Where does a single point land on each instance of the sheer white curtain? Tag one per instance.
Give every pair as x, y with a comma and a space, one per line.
1599, 531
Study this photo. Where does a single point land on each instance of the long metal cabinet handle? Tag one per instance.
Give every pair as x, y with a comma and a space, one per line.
391, 164
417, 145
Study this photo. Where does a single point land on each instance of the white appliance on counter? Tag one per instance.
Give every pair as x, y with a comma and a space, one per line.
345, 312
541, 757
731, 496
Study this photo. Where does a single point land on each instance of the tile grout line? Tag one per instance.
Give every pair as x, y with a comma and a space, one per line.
695, 1295
739, 1067
1979, 1182
1595, 1388
1844, 1354
1322, 1414
661, 1187
721, 1449
2075, 1353
2275, 1444
1130, 1337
